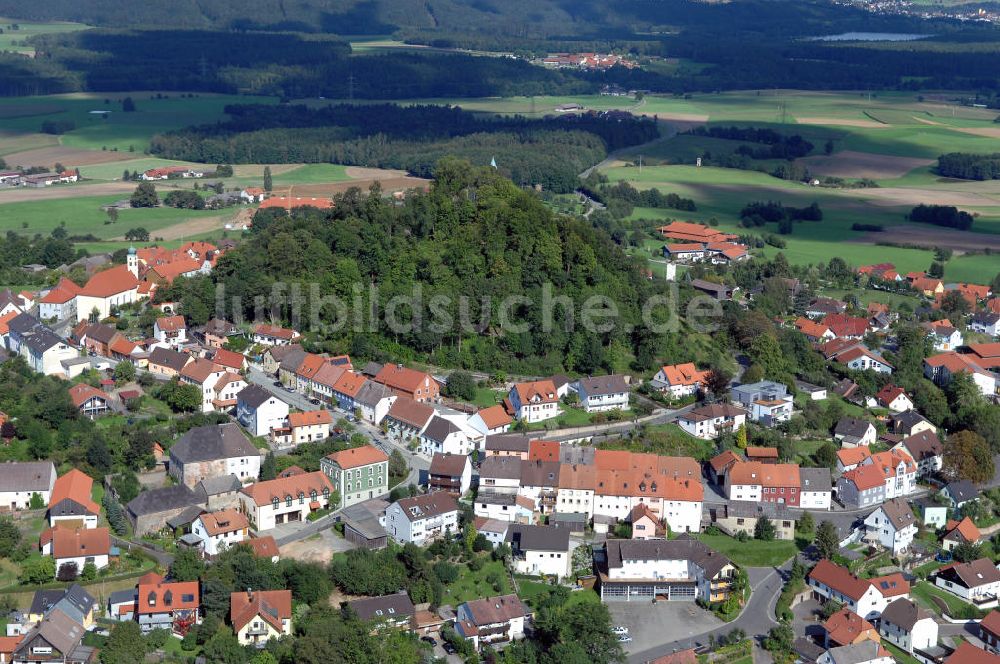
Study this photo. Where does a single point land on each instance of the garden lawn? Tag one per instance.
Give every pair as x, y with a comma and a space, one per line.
473, 585
752, 553
924, 590
900, 656
486, 397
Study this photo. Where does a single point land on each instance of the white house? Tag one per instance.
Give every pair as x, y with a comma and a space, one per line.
943, 335
865, 597
260, 615
678, 380
877, 478
450, 472
492, 420
444, 436
925, 448
535, 401
976, 582
19, 481
374, 401
170, 331
709, 421
205, 375
986, 322
855, 432
500, 474
76, 546
816, 490
540, 550
491, 620
259, 411
285, 499
42, 349
894, 398
215, 450
422, 519
892, 525
220, 530
604, 393
908, 627
767, 401
507, 507
863, 652
108, 290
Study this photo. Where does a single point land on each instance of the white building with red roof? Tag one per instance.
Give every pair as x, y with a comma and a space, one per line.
535, 401
170, 331
865, 597
877, 478
108, 290
285, 500
679, 380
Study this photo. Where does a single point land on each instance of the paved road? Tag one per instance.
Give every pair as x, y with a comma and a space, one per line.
293, 399
756, 619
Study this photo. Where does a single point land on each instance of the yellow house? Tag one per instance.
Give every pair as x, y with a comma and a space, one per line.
262, 615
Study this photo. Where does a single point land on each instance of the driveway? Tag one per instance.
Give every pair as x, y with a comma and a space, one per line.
316, 548
651, 625
756, 619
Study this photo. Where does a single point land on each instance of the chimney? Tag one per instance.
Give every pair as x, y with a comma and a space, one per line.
249, 593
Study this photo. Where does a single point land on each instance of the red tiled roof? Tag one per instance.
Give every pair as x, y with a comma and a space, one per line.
264, 492
229, 358
966, 528
164, 597
76, 486
274, 331
77, 542
683, 374
966, 653
110, 282
171, 323
845, 626
291, 202
224, 521
271, 605
358, 456
543, 450
544, 390
851, 456
402, 378
81, 393
264, 547
495, 417
349, 384
309, 418
811, 328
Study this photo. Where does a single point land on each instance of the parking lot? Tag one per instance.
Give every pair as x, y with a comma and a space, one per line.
652, 625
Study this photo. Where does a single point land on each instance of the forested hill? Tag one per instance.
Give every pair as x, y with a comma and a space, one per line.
476, 235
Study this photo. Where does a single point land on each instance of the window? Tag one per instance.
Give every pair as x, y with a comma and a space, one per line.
326, 493
312, 495
288, 501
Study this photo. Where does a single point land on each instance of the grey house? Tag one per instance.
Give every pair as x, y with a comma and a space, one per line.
150, 510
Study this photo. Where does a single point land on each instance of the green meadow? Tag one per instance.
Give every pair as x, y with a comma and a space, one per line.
13, 40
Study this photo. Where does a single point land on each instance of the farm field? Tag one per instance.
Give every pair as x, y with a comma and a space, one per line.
11, 40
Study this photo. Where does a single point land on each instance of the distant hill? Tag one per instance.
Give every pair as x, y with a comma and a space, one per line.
346, 17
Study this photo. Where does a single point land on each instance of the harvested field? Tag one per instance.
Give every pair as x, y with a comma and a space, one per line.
22, 194
11, 142
362, 173
843, 122
908, 197
69, 157
186, 229
29, 110
930, 236
851, 164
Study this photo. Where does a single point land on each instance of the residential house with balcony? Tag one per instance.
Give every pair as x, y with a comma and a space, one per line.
976, 582
892, 525
535, 401
303, 427
260, 615
90, 401
602, 393
540, 484
767, 402
285, 499
712, 420
577, 483
877, 478
986, 322
865, 597
259, 410
357, 474
407, 419
680, 569
492, 621
422, 519
217, 531
679, 380
908, 627
170, 331
540, 550
926, 450
173, 605
507, 507
451, 473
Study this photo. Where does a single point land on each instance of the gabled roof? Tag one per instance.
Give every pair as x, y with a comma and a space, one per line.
495, 417
904, 613
159, 596
966, 653
604, 385
923, 445
438, 429
815, 479
402, 378
371, 393
309, 418
267, 491
962, 531
215, 441
228, 358
852, 456
683, 374
77, 542
75, 485
972, 574
845, 626
422, 507
889, 393
991, 622
200, 370
858, 653
523, 537
493, 610
168, 358
450, 465
538, 391
852, 427
962, 490
841, 580
723, 461
58, 630
410, 412
264, 547
254, 396
682, 548
170, 323
358, 456
349, 384
388, 607
275, 332
224, 521
25, 476
110, 282
898, 512
81, 393
155, 501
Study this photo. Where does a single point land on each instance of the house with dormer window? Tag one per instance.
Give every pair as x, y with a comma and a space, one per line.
285, 499
170, 605
535, 401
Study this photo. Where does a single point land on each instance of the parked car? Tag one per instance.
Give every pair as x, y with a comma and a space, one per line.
619, 630
278, 383
448, 648
624, 638
429, 639
314, 401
